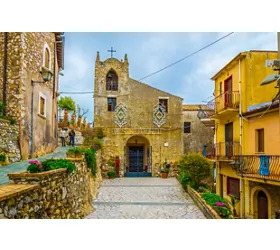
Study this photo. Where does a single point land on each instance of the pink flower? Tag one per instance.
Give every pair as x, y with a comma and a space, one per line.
40, 167
221, 204
33, 162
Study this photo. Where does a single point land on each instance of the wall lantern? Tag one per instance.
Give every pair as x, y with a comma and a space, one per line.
46, 75
201, 113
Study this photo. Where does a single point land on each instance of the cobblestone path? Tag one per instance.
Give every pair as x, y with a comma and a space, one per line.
22, 165
144, 198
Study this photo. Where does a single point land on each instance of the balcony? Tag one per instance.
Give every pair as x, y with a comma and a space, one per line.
258, 166
223, 151
225, 104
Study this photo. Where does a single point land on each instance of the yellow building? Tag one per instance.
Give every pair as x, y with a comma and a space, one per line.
248, 135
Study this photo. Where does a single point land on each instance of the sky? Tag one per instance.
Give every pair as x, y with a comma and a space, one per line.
149, 52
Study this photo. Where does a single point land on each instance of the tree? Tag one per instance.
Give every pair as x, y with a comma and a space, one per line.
196, 167
67, 103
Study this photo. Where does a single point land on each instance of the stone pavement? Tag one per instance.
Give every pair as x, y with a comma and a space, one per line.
144, 198
22, 165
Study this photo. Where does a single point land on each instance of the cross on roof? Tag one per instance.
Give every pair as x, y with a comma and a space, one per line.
112, 51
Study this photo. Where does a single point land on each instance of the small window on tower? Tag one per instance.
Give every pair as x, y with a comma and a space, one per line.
112, 81
164, 103
47, 57
112, 103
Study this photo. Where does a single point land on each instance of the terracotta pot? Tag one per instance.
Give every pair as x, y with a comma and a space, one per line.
111, 177
164, 175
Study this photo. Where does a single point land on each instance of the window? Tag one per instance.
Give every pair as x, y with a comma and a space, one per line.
233, 187
42, 105
47, 57
112, 81
260, 140
221, 88
164, 103
112, 103
187, 127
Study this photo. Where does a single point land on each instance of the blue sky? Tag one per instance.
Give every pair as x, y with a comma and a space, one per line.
149, 52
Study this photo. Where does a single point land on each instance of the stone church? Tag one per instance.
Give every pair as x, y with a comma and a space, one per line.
142, 125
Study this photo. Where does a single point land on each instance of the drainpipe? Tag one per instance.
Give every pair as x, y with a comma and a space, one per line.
240, 139
5, 72
31, 121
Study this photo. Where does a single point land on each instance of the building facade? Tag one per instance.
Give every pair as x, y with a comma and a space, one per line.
29, 68
196, 133
247, 135
142, 125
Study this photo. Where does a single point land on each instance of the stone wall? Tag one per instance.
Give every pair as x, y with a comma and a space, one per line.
9, 140
274, 193
25, 60
52, 194
199, 134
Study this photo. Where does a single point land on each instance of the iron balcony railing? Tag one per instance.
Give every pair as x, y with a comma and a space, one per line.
259, 166
228, 99
222, 150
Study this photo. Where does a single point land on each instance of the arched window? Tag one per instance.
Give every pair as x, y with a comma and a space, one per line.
112, 81
46, 57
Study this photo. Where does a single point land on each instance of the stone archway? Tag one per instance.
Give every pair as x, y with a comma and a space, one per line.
261, 203
138, 157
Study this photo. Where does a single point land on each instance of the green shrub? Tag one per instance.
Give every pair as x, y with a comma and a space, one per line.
50, 164
197, 167
183, 178
219, 204
211, 199
100, 133
111, 163
98, 142
2, 157
76, 150
111, 174
91, 160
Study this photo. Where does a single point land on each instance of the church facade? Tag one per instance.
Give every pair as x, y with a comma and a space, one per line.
142, 124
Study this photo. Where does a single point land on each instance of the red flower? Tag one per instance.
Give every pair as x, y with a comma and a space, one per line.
40, 167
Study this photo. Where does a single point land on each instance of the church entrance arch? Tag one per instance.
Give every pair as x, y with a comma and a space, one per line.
138, 157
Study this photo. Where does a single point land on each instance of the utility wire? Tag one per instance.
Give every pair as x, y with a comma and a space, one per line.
168, 66
187, 56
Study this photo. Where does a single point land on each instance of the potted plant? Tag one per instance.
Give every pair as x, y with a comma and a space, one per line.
111, 174
164, 173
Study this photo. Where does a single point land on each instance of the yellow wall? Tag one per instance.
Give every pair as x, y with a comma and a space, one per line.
253, 72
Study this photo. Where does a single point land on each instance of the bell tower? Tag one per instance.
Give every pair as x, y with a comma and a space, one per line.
111, 80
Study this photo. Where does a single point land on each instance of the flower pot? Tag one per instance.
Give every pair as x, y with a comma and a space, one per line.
111, 177
164, 175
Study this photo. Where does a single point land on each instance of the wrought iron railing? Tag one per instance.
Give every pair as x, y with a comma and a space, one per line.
260, 166
222, 150
228, 99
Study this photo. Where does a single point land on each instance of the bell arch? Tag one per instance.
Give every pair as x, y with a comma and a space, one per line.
112, 80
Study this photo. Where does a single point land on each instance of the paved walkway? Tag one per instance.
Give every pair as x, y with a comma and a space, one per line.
22, 165
144, 198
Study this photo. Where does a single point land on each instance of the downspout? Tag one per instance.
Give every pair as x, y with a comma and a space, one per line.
54, 73
5, 72
31, 121
240, 139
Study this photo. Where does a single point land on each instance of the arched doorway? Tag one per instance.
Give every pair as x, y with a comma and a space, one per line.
138, 157
262, 205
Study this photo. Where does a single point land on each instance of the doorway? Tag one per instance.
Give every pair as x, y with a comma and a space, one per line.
262, 205
228, 92
229, 139
136, 154
138, 157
